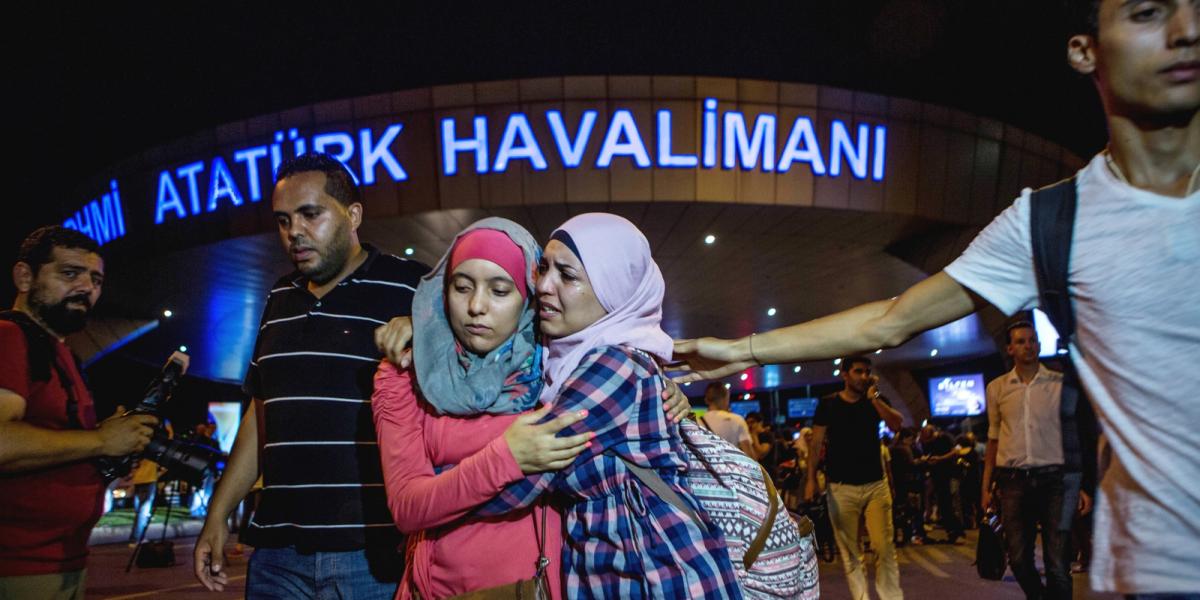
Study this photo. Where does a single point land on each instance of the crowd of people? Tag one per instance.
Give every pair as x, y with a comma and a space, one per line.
536, 390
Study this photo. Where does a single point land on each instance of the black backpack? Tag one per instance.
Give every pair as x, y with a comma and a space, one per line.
1052, 223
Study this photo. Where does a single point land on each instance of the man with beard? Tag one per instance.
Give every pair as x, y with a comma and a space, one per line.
322, 526
50, 492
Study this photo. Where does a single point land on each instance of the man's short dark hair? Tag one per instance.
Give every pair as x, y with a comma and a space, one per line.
38, 246
754, 415
848, 362
715, 391
1008, 331
339, 181
1083, 17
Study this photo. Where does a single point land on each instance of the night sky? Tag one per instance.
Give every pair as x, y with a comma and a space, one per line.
90, 85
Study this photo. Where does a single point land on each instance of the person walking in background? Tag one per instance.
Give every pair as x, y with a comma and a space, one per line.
730, 426
1024, 458
854, 469
909, 481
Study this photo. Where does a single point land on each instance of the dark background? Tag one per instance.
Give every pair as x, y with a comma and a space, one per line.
89, 85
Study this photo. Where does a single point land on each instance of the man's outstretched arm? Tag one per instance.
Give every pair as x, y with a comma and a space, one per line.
883, 324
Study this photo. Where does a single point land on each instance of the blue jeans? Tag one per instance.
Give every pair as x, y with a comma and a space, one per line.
1029, 499
285, 573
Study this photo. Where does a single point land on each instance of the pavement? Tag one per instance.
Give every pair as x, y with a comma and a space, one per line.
107, 579
944, 572
938, 571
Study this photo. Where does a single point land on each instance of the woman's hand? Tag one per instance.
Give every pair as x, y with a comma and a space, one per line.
707, 358
393, 340
674, 402
537, 448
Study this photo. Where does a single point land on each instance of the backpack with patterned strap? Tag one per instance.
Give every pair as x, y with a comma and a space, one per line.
773, 555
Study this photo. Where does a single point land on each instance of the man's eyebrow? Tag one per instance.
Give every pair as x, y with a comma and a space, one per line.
309, 206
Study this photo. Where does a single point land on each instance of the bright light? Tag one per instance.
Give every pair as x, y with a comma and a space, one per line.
837, 372
796, 369
771, 311
408, 251
687, 384
879, 351
710, 238
744, 376
745, 396
183, 348
837, 361
933, 352
167, 313
727, 386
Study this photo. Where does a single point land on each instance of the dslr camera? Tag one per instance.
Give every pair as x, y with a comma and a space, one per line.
187, 461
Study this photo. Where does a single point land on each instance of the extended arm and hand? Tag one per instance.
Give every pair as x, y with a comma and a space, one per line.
883, 324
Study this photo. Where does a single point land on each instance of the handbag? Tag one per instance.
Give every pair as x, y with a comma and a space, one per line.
990, 558
534, 588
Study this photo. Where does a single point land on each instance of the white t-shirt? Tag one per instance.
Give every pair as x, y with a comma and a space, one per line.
1135, 281
730, 426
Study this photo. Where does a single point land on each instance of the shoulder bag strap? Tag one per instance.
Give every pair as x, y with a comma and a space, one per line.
760, 540
655, 482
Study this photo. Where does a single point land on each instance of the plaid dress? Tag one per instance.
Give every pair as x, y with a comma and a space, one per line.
621, 539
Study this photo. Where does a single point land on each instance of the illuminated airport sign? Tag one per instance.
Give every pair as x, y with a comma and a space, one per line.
725, 140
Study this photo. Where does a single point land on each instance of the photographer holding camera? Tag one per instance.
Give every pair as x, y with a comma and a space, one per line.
51, 492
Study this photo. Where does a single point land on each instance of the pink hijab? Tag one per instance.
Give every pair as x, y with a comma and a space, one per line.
628, 285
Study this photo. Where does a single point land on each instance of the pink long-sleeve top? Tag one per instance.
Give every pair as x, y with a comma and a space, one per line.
448, 552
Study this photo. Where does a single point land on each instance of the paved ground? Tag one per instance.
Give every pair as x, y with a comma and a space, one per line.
940, 572
107, 577
944, 572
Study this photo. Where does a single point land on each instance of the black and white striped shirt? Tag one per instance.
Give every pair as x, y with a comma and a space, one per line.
313, 368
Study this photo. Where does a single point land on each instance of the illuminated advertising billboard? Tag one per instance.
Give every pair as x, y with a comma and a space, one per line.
957, 395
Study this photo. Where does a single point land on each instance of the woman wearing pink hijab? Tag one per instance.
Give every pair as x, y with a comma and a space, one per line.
600, 297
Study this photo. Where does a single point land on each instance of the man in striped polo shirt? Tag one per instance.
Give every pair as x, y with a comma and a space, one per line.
322, 525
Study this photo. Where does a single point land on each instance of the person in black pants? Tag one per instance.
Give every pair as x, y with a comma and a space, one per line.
1025, 459
942, 455
908, 477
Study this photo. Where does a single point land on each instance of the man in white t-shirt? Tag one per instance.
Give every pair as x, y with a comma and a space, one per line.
717, 419
1134, 280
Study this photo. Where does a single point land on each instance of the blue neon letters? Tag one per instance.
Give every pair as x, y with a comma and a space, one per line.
724, 139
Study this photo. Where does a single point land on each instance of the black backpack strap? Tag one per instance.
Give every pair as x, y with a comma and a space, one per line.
42, 357
1052, 222
1052, 225
38, 345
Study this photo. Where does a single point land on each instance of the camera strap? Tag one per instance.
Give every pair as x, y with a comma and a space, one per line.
41, 357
